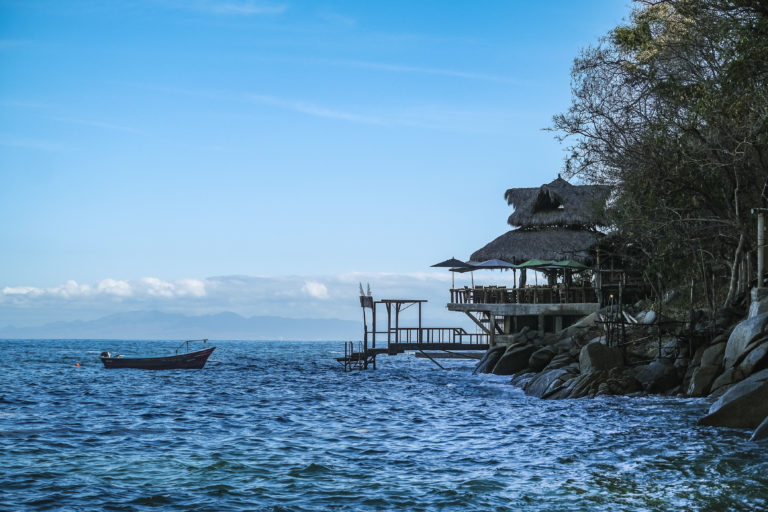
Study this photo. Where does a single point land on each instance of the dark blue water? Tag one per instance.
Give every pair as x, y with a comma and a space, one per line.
279, 426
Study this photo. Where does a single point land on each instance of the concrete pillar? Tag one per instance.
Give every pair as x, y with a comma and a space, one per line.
541, 324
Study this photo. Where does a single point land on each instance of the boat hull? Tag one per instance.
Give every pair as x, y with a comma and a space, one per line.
188, 361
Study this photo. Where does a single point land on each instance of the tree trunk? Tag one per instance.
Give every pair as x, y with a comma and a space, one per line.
735, 271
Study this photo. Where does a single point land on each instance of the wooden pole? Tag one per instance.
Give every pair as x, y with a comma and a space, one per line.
760, 248
420, 336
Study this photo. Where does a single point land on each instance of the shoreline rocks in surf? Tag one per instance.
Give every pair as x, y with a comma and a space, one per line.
723, 358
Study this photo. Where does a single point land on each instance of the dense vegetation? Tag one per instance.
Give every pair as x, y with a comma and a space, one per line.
672, 111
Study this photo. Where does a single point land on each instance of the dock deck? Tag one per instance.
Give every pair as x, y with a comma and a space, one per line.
397, 340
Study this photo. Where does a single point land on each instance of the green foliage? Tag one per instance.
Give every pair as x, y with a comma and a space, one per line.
672, 110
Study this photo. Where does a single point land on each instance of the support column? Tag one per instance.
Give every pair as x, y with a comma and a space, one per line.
760, 248
541, 324
492, 338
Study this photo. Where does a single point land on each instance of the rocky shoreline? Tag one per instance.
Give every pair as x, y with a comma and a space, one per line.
724, 358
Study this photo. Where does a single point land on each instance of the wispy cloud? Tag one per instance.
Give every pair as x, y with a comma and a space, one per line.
36, 144
95, 124
315, 290
227, 7
337, 19
116, 288
313, 110
55, 113
329, 296
439, 118
400, 68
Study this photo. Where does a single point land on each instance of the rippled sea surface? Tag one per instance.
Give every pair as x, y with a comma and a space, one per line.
279, 426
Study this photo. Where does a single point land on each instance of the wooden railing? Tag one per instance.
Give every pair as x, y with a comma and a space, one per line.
437, 335
527, 295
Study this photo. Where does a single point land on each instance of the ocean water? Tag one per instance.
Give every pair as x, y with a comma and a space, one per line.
279, 426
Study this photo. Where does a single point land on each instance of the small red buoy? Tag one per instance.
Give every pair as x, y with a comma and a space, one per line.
77, 364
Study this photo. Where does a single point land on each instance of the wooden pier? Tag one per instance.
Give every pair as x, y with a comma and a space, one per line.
396, 339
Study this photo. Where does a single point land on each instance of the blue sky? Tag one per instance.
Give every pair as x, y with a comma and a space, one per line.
170, 141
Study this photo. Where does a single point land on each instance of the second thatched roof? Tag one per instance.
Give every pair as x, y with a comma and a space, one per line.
558, 203
517, 246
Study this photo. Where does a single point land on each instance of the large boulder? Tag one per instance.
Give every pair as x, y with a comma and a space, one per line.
595, 357
587, 384
755, 359
726, 379
702, 379
489, 360
659, 376
541, 358
741, 337
759, 305
539, 385
514, 359
745, 405
561, 361
761, 432
713, 354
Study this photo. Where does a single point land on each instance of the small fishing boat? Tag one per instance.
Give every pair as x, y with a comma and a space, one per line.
184, 361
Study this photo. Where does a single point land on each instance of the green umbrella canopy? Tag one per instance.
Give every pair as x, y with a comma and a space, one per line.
572, 264
534, 263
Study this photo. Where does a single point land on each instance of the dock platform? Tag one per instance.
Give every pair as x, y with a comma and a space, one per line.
397, 340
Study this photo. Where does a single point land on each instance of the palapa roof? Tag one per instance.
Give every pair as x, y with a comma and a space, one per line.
558, 204
519, 245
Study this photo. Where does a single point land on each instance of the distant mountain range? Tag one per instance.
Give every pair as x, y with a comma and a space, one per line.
158, 325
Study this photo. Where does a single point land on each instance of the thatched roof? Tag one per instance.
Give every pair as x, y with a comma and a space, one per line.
558, 204
518, 245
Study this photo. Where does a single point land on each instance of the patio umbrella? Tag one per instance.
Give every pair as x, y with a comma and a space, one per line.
572, 264
535, 264
501, 264
455, 265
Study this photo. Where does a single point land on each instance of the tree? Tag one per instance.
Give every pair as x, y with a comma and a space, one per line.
672, 111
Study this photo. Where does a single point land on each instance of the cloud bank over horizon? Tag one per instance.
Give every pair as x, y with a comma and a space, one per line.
297, 296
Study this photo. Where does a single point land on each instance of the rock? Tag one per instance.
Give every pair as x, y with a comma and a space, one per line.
702, 379
713, 355
727, 378
670, 348
724, 317
743, 334
598, 357
759, 305
489, 360
539, 385
745, 405
514, 359
761, 432
581, 325
541, 358
565, 344
560, 361
659, 376
755, 359
587, 384
649, 317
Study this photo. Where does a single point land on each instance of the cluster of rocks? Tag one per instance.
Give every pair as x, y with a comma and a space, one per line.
576, 362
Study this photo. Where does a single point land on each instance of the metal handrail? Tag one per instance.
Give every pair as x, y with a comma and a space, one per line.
187, 342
